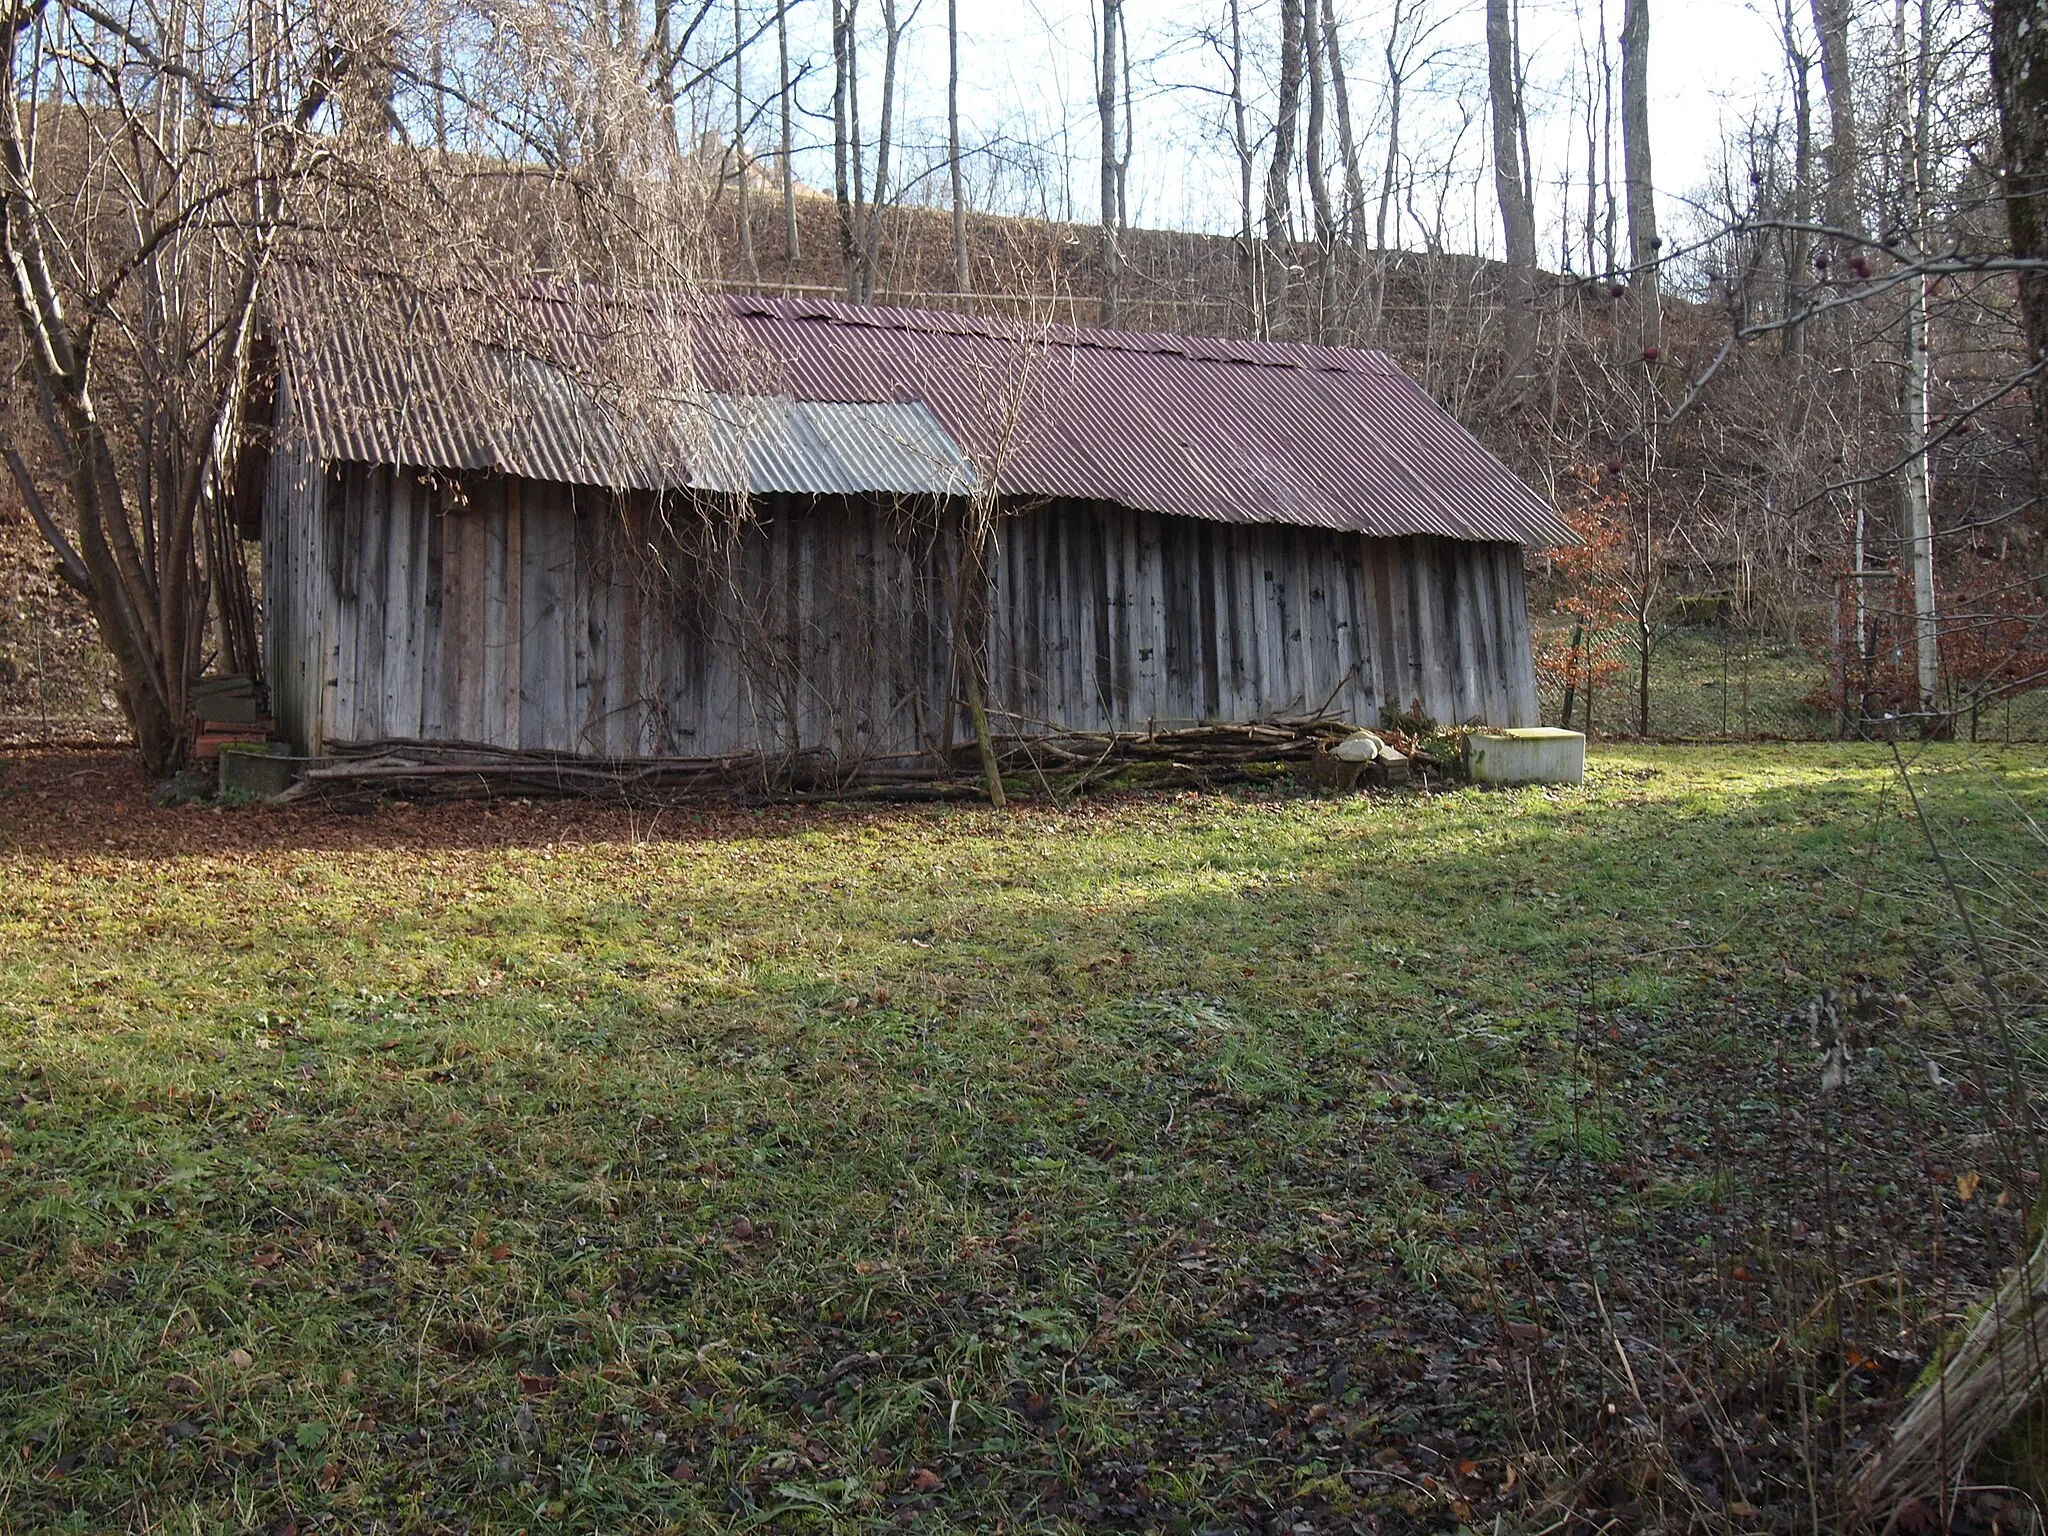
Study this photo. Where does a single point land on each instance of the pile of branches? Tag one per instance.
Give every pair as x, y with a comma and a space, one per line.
1062, 762
1067, 762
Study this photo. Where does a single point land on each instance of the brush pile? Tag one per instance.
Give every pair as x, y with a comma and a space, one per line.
1058, 762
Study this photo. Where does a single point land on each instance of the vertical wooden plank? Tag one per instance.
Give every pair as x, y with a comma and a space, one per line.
1518, 660
1035, 602
1421, 581
315, 606
1146, 624
1306, 680
586, 705
634, 713
508, 710
1477, 648
1439, 667
1210, 627
540, 618
343, 598
455, 627
1411, 582
424, 608
367, 680
1171, 543
1233, 650
395, 613
1360, 651
1270, 617
564, 719
1005, 627
1100, 545
1456, 632
466, 582
561, 720
493, 548
1488, 675
1386, 646
433, 709
1130, 613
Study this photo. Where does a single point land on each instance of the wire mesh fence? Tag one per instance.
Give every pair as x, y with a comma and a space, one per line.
1736, 682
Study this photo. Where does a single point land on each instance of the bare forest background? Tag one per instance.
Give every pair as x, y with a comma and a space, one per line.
1797, 424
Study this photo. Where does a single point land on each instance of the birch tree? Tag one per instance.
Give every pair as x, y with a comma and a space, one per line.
2019, 76
1107, 81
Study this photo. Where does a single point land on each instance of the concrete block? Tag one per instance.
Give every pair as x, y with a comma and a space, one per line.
257, 769
1539, 754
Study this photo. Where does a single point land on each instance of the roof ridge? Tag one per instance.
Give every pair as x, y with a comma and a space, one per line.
1304, 356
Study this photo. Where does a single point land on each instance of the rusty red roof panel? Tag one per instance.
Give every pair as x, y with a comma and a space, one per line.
1228, 430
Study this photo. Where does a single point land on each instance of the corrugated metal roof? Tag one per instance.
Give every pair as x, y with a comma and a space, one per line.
398, 388
822, 448
1232, 431
373, 378
836, 397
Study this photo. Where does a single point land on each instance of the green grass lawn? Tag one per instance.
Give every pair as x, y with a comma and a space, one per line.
1179, 1162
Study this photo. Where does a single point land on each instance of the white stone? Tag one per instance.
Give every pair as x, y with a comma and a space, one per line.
1358, 747
1531, 755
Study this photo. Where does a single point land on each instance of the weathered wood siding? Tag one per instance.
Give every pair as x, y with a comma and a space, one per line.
520, 614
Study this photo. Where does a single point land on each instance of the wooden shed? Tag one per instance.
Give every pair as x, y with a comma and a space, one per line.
823, 520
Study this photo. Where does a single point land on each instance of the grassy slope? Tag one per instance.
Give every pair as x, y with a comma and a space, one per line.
1163, 1159
1707, 683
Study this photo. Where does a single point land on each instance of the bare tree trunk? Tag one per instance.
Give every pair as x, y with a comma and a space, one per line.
1608, 245
1592, 167
1347, 141
1240, 139
1280, 172
1797, 244
789, 244
739, 144
1643, 243
2019, 74
1396, 78
1105, 109
878, 196
1915, 487
1123, 164
962, 278
1517, 212
1831, 26
1919, 529
1316, 60
846, 167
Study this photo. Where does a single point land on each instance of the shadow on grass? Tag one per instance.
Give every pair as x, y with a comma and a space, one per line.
1199, 1161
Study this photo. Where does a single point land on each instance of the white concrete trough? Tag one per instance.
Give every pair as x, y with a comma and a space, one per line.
1538, 754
